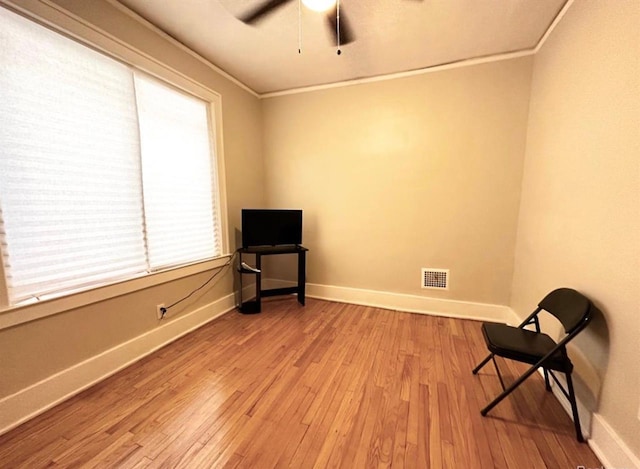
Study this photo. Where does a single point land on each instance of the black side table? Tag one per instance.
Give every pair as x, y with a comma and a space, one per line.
253, 306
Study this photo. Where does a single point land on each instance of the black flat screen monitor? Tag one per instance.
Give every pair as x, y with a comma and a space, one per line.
262, 227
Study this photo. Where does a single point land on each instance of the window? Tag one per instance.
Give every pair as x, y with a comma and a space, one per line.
176, 175
105, 173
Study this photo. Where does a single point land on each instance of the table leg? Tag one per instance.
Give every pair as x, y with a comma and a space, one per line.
301, 276
258, 279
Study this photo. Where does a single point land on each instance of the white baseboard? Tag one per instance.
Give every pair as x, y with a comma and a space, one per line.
39, 397
404, 302
609, 447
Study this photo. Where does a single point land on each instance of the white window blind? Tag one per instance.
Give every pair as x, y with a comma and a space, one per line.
69, 165
105, 174
177, 175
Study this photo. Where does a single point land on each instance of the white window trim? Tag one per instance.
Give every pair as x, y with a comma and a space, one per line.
29, 312
91, 36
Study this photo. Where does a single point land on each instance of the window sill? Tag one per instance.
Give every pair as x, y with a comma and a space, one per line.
19, 314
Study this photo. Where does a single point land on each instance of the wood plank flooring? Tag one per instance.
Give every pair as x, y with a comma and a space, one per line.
326, 385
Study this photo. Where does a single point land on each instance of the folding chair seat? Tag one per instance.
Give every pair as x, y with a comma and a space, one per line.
574, 311
524, 346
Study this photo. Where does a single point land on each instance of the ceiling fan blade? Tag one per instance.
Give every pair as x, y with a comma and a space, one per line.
346, 33
260, 11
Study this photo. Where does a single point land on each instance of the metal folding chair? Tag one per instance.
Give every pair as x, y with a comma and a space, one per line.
574, 311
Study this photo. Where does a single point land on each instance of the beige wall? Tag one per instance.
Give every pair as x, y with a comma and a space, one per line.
397, 175
580, 215
33, 351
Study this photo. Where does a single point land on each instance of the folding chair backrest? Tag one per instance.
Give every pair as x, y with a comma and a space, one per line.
570, 307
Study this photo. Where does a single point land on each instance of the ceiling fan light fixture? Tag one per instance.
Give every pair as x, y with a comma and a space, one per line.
319, 5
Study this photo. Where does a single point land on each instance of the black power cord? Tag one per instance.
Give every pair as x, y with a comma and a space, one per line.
219, 270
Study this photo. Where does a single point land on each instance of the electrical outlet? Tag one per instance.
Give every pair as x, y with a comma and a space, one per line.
161, 310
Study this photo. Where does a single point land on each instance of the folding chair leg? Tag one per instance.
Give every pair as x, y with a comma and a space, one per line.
574, 408
509, 390
482, 363
495, 364
547, 384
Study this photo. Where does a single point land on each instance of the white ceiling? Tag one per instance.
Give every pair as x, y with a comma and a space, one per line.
392, 36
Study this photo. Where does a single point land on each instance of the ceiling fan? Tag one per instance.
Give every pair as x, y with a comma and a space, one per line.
336, 20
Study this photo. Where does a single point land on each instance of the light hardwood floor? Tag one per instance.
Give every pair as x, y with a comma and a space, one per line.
326, 385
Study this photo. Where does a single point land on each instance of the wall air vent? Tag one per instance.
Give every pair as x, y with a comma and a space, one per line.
435, 278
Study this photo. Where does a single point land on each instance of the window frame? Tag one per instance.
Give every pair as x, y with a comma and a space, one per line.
90, 36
